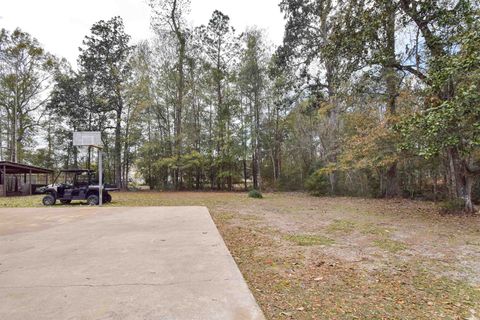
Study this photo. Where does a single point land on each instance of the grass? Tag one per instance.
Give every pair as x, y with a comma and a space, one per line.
309, 240
372, 229
140, 199
473, 243
446, 290
390, 245
295, 272
21, 202
224, 216
342, 226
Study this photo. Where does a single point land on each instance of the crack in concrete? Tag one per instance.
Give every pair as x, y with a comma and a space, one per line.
118, 284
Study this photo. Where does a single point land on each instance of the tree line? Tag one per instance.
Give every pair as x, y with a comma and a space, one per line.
366, 98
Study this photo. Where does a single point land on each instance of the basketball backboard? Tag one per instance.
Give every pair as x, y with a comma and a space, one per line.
87, 138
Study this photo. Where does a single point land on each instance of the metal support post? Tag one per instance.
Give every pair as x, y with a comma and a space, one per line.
4, 181
100, 177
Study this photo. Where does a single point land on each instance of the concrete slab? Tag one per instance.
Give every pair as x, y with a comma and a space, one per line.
118, 263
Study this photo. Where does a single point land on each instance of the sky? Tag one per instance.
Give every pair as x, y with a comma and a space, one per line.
61, 25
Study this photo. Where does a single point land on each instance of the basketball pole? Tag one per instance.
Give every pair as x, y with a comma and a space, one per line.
92, 139
100, 177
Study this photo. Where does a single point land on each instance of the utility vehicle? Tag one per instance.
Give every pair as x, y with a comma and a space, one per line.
76, 184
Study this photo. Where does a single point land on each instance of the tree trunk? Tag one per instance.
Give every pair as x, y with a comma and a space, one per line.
197, 179
14, 148
254, 171
180, 96
392, 189
126, 149
212, 178
469, 207
462, 179
256, 147
1, 140
75, 156
245, 174
118, 148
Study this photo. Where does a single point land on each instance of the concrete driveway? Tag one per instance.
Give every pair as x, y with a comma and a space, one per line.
118, 263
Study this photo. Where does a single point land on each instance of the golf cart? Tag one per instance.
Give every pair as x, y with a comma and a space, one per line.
76, 184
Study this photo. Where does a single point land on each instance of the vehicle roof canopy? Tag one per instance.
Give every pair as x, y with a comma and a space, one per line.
77, 170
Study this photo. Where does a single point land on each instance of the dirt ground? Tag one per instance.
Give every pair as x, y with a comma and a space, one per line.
339, 258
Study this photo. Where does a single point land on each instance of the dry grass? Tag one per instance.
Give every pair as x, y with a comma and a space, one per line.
341, 258
309, 240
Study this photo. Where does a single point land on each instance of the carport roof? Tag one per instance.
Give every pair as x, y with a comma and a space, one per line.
16, 168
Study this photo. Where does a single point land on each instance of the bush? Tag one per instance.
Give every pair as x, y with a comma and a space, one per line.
452, 206
255, 194
290, 181
317, 184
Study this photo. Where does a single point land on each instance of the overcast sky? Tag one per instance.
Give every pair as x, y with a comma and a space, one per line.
60, 25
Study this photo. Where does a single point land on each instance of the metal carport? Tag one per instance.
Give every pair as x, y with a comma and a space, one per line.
11, 182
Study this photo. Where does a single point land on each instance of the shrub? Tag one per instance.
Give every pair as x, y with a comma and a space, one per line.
255, 194
291, 181
452, 206
317, 184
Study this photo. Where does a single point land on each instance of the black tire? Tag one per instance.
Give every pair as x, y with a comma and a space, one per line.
65, 201
107, 198
49, 200
93, 200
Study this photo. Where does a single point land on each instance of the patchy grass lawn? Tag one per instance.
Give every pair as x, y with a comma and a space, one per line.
309, 240
340, 258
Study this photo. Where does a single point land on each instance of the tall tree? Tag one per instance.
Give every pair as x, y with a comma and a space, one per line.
389, 62
220, 47
447, 122
25, 76
318, 66
68, 109
169, 16
105, 61
252, 80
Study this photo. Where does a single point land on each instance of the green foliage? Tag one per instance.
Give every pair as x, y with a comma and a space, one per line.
184, 162
291, 180
451, 122
317, 183
255, 194
452, 206
25, 73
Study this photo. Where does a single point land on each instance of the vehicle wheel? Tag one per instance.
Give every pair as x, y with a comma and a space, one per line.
48, 200
65, 201
107, 198
92, 200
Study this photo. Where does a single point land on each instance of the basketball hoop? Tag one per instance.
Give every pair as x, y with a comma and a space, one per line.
92, 139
